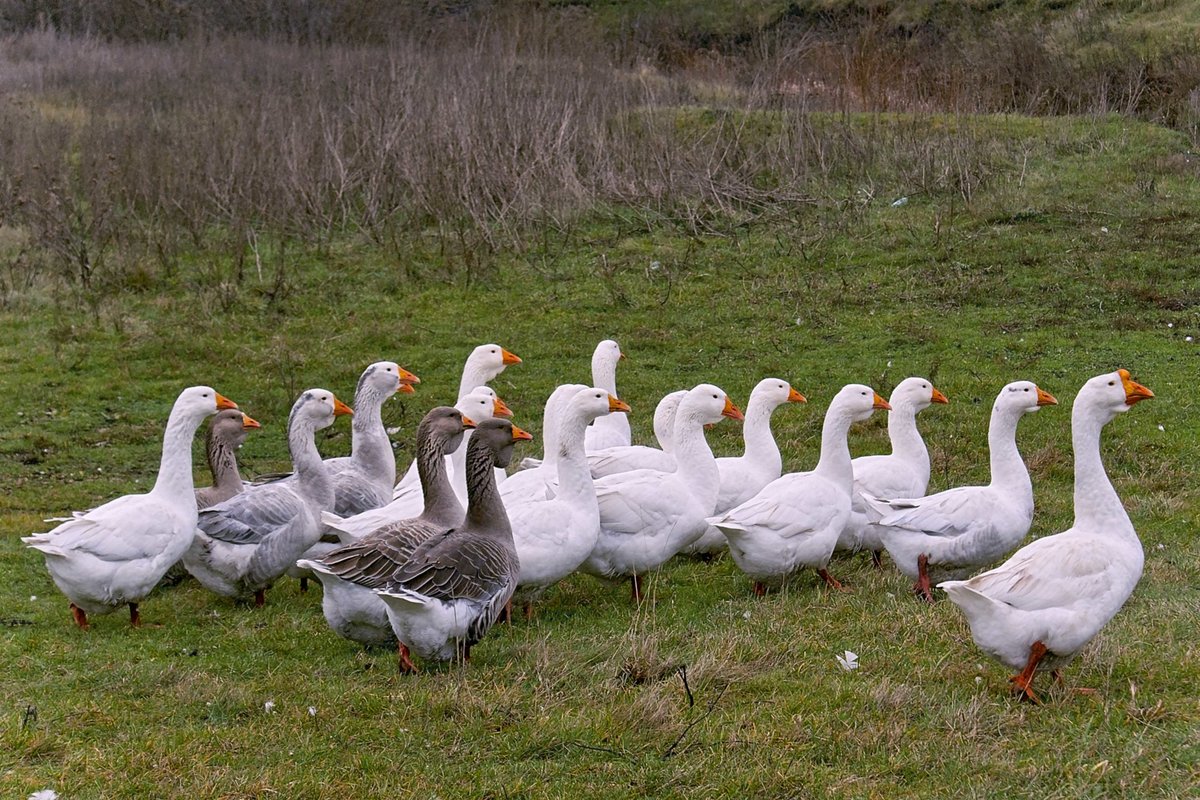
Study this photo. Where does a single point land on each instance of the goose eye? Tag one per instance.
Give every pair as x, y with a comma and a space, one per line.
1110, 383
1027, 388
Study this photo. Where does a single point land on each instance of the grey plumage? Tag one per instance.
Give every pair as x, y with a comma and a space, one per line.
473, 568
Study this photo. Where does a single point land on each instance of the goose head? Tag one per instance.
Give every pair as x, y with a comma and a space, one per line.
774, 392
593, 402
478, 405
491, 359
386, 378
445, 426
606, 355
499, 436
916, 394
317, 408
1023, 397
1111, 393
499, 408
230, 427
198, 402
706, 404
857, 401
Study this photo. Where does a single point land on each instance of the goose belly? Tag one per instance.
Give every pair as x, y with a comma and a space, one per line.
218, 566
432, 628
355, 612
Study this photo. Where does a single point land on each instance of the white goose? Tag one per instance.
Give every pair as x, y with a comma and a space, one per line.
483, 365
364, 479
535, 483
1037, 610
795, 520
554, 536
612, 460
646, 517
612, 430
950, 534
114, 555
744, 476
245, 543
902, 473
409, 502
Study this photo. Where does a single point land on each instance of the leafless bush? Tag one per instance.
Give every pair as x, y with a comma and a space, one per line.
466, 132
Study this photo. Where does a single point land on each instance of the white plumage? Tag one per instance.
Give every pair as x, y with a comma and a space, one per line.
1042, 606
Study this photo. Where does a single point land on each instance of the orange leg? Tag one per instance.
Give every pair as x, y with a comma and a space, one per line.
830, 581
760, 589
528, 610
1023, 682
506, 615
922, 587
135, 619
407, 667
260, 598
877, 558
80, 617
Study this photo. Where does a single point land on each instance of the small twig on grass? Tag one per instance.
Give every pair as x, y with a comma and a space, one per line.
712, 705
682, 670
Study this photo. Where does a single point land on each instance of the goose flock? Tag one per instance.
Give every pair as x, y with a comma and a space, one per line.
429, 563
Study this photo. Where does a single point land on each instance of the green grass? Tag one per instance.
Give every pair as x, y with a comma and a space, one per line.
1076, 256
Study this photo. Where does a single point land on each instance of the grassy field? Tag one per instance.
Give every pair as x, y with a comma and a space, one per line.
1075, 256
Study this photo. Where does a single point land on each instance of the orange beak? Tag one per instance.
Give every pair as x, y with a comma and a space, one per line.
622, 358
340, 409
508, 358
1045, 398
881, 404
617, 405
224, 402
521, 436
249, 423
406, 388
731, 410
938, 397
407, 377
468, 422
499, 409
1134, 391
796, 397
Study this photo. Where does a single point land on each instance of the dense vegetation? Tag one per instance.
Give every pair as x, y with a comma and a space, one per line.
268, 216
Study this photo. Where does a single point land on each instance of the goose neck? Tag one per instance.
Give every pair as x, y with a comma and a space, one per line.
474, 375
1097, 506
574, 476
485, 509
1008, 469
370, 448
604, 374
756, 432
696, 465
906, 439
222, 462
441, 504
175, 467
310, 469
834, 462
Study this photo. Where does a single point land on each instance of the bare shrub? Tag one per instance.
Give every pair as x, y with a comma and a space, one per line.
458, 129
